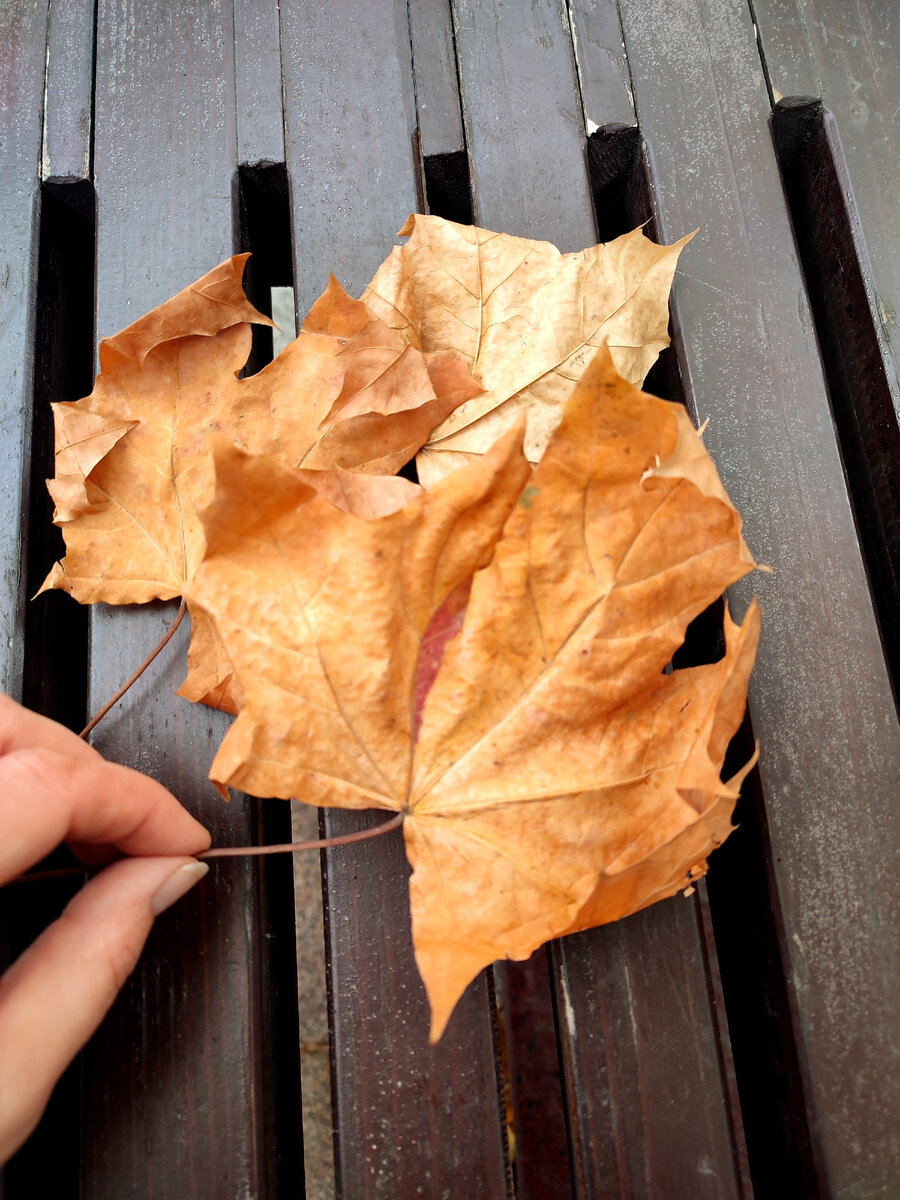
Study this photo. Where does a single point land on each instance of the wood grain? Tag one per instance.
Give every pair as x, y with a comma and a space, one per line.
257, 78
24, 27
409, 1119
188, 1080
511, 156
603, 76
66, 151
526, 141
350, 149
434, 70
820, 699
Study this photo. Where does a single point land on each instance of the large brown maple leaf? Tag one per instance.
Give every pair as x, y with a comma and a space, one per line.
526, 318
131, 466
553, 776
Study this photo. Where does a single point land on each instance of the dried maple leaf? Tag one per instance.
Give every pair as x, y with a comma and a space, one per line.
526, 319
130, 463
555, 777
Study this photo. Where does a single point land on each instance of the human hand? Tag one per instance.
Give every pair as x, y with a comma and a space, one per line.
54, 788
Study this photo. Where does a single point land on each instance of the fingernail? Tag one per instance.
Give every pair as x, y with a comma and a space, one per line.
177, 885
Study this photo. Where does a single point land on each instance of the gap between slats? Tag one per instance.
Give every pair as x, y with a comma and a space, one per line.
294, 885
55, 660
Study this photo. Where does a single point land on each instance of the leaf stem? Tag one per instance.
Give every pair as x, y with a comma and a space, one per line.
132, 679
344, 839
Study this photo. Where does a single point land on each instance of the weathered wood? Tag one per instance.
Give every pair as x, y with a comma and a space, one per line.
525, 138
603, 76
408, 1118
855, 353
846, 54
639, 1025
821, 702
36, 357
784, 43
66, 152
257, 77
185, 1080
543, 1168
434, 70
23, 27
512, 153
349, 148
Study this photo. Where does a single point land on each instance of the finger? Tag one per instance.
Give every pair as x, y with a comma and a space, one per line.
47, 797
20, 728
84, 958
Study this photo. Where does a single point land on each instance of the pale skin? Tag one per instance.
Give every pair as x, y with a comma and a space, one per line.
55, 788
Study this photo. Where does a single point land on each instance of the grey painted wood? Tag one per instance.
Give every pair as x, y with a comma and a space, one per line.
784, 43
257, 77
524, 122
820, 701
69, 86
23, 29
434, 69
855, 68
603, 74
645, 969
180, 1079
349, 147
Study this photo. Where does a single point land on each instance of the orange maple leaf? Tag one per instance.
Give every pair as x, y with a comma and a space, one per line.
526, 318
553, 776
130, 460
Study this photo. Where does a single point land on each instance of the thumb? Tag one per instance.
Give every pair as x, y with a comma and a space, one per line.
56, 994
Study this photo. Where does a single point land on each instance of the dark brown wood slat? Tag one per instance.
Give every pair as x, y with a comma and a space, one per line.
644, 1085
511, 154
528, 1030
410, 1120
820, 699
66, 152
434, 70
190, 1081
838, 154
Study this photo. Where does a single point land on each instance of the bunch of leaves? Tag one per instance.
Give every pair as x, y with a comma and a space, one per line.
487, 657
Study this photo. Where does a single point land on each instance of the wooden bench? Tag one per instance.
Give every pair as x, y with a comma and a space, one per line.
743, 1040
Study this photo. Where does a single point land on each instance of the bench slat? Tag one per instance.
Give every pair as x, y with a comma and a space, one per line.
66, 150
24, 27
407, 1116
434, 67
257, 78
603, 76
183, 1086
528, 152
820, 699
